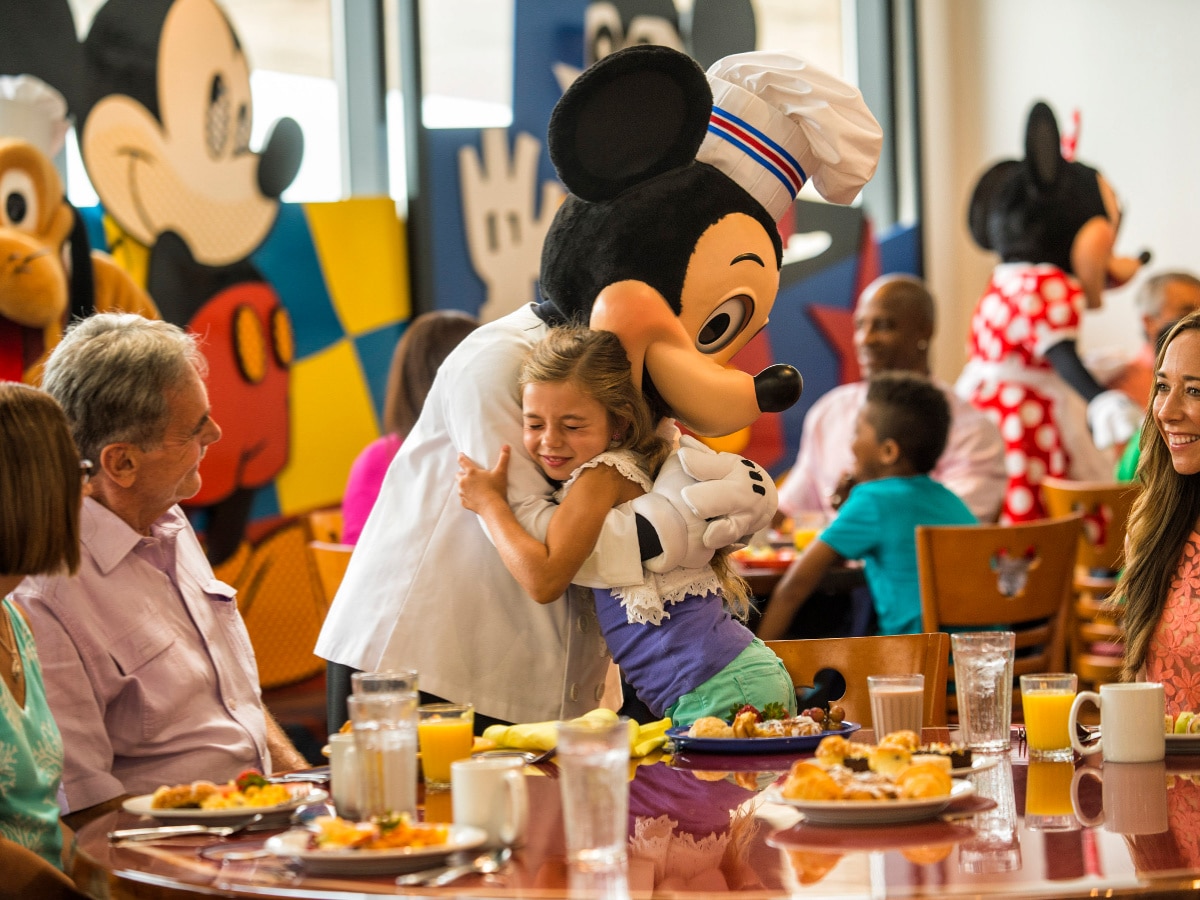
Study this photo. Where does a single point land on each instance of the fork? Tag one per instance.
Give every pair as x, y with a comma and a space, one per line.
160, 832
531, 758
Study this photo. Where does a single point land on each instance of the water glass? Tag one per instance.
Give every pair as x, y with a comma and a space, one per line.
343, 775
1046, 700
445, 732
897, 703
393, 681
593, 758
996, 844
983, 674
385, 741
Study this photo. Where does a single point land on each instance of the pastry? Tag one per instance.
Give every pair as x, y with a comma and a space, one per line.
808, 781
710, 727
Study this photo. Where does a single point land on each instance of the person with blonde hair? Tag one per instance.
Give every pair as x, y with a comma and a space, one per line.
41, 487
1162, 569
678, 637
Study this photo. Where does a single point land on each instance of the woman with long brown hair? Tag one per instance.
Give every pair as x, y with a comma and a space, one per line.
41, 488
1160, 588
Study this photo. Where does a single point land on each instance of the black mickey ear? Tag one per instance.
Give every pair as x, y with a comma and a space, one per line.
633, 115
719, 28
983, 200
1043, 150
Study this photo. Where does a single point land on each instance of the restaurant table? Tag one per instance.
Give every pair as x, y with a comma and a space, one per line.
702, 826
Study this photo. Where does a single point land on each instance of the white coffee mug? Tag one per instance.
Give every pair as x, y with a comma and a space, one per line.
489, 793
1131, 722
1134, 797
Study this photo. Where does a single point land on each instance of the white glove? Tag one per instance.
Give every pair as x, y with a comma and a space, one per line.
1113, 418
703, 501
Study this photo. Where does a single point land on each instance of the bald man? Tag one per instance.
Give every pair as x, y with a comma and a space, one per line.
893, 325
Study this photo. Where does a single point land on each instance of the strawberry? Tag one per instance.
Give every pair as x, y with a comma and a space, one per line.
248, 778
749, 707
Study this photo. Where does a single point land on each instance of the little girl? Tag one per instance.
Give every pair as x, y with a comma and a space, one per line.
590, 430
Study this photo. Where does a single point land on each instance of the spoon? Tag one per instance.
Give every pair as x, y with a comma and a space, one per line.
483, 864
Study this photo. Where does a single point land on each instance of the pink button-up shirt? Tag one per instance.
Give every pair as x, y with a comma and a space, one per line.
148, 667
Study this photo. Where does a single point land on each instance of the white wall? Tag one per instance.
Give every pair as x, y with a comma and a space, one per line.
1132, 67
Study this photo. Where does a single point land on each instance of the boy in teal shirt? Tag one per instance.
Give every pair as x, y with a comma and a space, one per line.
899, 434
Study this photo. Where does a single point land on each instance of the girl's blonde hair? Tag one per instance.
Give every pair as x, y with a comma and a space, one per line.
597, 364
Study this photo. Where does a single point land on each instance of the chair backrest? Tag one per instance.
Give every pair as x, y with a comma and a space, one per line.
325, 525
976, 577
1105, 508
330, 561
857, 657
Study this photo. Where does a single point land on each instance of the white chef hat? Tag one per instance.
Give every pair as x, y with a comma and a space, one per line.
33, 111
778, 122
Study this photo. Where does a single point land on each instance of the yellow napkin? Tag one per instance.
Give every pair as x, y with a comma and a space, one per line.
643, 739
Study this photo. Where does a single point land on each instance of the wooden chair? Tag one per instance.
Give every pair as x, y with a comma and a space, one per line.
325, 525
978, 577
330, 561
1097, 640
854, 658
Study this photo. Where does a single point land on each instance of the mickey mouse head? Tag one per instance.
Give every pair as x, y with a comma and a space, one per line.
668, 237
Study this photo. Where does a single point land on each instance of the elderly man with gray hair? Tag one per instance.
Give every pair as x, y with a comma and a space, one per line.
148, 667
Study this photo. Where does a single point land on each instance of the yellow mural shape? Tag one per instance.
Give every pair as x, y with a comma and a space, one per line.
361, 246
332, 420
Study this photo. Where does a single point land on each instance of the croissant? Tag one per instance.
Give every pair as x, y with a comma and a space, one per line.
807, 781
923, 782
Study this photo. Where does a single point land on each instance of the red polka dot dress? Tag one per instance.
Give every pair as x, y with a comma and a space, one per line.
1025, 311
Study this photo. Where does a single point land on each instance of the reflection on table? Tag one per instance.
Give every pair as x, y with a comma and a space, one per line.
701, 825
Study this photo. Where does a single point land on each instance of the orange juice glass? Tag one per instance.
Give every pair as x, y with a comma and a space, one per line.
1048, 796
1047, 701
446, 733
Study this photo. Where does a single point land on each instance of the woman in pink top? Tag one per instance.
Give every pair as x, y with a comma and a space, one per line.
1161, 585
427, 341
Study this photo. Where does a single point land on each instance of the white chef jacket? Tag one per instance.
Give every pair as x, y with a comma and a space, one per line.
425, 588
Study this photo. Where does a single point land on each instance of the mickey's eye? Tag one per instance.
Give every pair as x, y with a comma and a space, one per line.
653, 30
18, 200
602, 31
723, 325
241, 138
218, 121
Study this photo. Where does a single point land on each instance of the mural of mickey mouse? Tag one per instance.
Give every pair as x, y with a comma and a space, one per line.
166, 143
1053, 221
48, 270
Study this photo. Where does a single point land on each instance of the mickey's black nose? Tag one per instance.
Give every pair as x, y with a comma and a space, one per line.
280, 158
777, 388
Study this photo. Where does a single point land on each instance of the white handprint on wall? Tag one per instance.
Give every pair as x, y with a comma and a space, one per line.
504, 235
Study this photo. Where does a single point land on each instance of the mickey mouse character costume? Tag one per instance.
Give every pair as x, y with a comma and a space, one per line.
657, 243
1054, 223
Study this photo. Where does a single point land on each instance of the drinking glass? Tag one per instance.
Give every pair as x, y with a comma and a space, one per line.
1048, 804
897, 703
1047, 701
385, 742
593, 758
445, 732
983, 669
393, 681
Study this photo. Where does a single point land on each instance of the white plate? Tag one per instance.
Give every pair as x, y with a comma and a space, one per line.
294, 844
301, 794
1183, 743
872, 812
978, 764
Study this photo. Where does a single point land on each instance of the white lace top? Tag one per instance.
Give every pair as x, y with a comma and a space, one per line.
647, 603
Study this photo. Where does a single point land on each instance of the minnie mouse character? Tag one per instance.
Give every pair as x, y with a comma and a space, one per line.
670, 241
1054, 223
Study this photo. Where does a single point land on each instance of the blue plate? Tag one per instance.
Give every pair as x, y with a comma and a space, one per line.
764, 746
